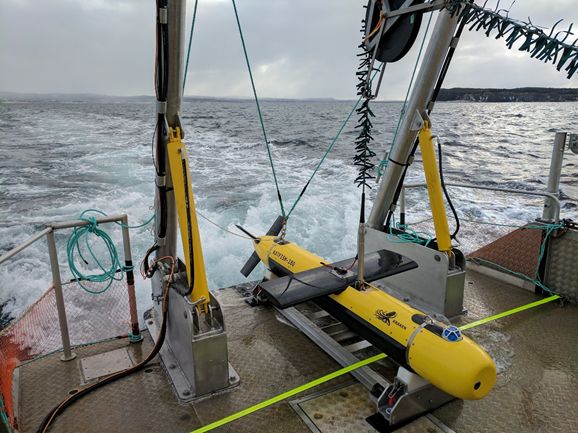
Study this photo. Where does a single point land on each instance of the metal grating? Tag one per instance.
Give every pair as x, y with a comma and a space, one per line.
562, 269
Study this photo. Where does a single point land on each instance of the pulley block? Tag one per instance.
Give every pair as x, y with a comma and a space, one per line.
393, 44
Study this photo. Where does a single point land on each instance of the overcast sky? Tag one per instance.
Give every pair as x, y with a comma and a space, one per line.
298, 48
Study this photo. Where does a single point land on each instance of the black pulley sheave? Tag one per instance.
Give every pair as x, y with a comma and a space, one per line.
398, 40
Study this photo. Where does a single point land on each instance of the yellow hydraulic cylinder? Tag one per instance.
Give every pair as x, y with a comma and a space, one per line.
434, 189
187, 214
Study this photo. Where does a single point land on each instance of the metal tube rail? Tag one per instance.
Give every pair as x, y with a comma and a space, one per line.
57, 281
555, 199
24, 245
79, 223
555, 172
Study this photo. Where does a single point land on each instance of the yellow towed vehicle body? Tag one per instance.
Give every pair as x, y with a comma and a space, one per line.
434, 350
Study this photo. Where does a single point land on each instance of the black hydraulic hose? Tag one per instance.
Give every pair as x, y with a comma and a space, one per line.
449, 200
162, 127
57, 410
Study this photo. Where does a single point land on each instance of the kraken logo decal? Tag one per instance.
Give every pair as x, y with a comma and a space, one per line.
385, 316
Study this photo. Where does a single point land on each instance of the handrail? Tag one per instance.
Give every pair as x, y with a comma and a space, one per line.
24, 244
58, 226
56, 279
553, 197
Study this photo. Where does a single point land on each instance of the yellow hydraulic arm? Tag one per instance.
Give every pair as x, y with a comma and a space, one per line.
185, 202
434, 189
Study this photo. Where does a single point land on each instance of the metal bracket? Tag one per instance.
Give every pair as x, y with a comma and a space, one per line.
417, 122
195, 355
407, 397
162, 107
163, 16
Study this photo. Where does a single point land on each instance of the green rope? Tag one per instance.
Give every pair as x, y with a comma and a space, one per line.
190, 43
409, 235
107, 274
329, 149
535, 279
259, 109
383, 162
423, 238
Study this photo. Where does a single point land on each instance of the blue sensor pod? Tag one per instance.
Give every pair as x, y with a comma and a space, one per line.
452, 333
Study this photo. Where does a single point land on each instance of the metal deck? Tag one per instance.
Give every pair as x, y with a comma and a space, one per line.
536, 353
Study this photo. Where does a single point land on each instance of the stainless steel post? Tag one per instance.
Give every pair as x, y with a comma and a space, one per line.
176, 12
67, 355
549, 212
134, 335
431, 66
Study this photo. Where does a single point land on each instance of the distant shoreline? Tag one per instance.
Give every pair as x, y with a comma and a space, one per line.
458, 94
522, 94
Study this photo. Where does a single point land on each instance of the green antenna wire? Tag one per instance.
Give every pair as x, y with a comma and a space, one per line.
259, 109
190, 43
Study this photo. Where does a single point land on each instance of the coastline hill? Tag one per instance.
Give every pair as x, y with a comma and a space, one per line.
522, 94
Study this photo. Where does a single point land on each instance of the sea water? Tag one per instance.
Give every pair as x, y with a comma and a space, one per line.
60, 156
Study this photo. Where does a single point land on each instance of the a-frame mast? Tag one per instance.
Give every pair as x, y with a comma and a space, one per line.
441, 39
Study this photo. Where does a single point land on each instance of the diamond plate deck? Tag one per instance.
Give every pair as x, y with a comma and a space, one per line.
104, 364
535, 351
517, 251
562, 272
344, 410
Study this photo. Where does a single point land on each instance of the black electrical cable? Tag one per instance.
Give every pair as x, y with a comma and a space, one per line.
57, 410
161, 132
451, 205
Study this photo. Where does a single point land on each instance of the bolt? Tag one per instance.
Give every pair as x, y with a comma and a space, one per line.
437, 258
150, 322
172, 366
186, 392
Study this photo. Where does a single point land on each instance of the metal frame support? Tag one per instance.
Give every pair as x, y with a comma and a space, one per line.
549, 212
68, 355
431, 67
56, 278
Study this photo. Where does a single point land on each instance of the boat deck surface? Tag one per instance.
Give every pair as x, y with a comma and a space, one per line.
536, 353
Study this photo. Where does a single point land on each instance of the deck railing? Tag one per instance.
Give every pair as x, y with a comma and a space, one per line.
48, 232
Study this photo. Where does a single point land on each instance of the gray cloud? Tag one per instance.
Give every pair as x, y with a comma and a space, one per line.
298, 48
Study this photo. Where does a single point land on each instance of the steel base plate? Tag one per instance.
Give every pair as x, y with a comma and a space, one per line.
181, 386
104, 364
